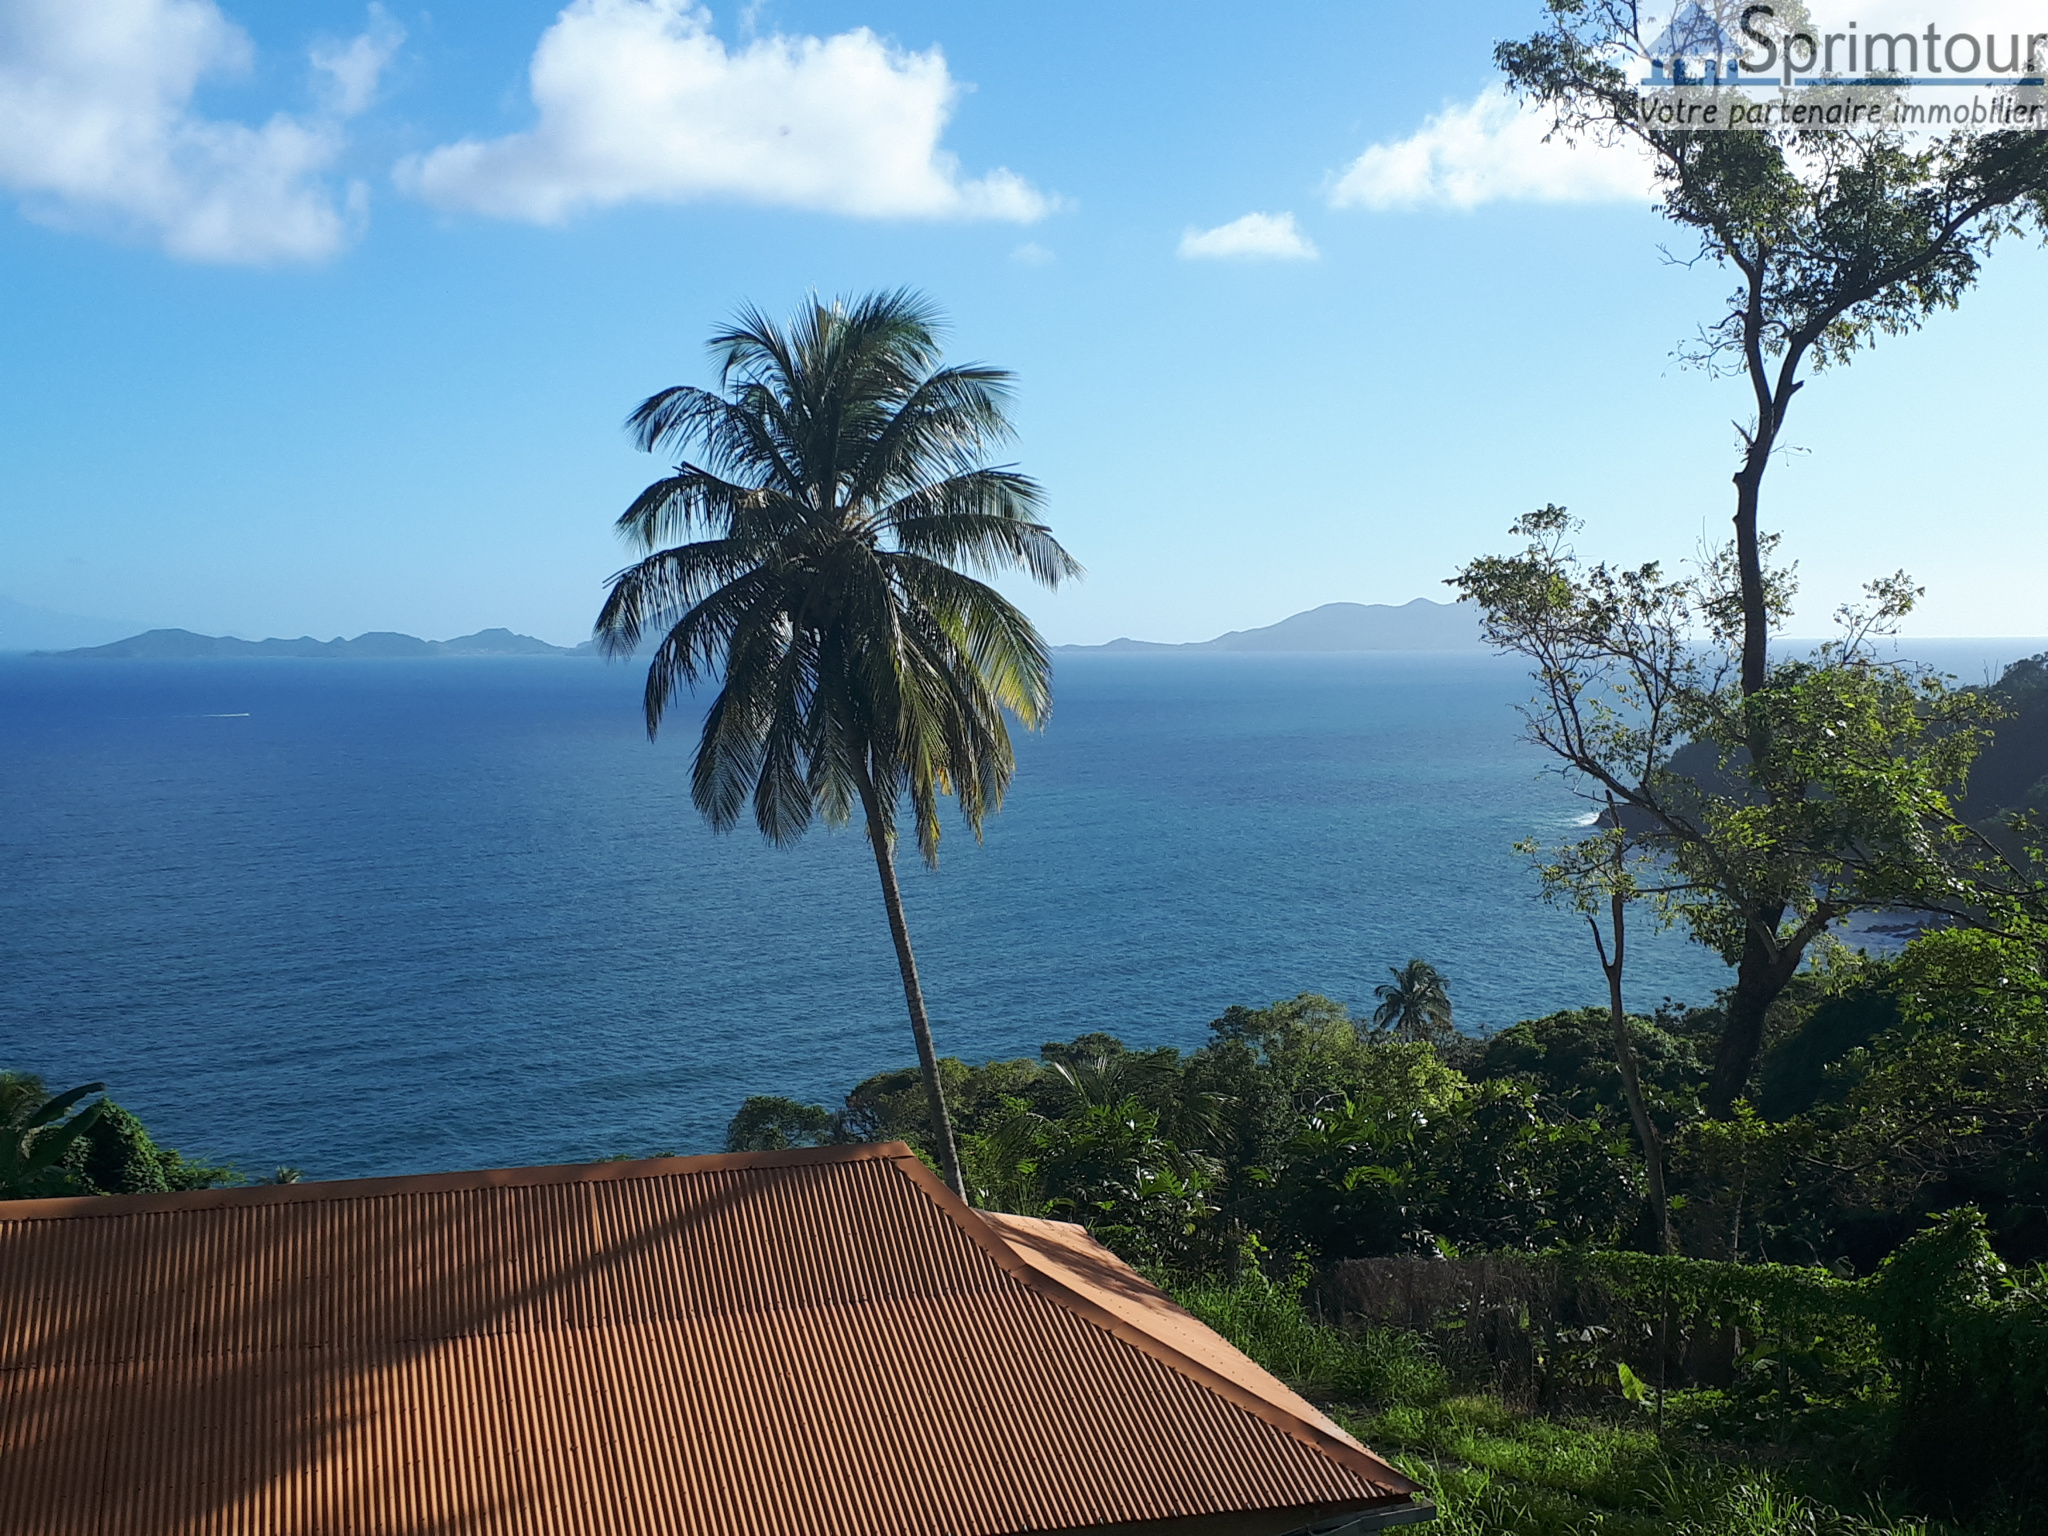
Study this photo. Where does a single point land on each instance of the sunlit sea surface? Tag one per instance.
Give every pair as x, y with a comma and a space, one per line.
389, 916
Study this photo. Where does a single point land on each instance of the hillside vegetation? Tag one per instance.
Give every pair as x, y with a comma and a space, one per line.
1400, 1224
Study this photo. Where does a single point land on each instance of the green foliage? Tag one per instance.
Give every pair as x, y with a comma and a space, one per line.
1134, 1188
1292, 1123
1797, 1076
1739, 1173
1852, 797
893, 1106
1945, 1337
36, 1137
1760, 1297
1756, 813
1345, 1182
1946, 1106
1568, 1057
1495, 1472
767, 1122
2007, 781
1921, 1080
1512, 1171
1967, 1342
1099, 1140
118, 1156
101, 1150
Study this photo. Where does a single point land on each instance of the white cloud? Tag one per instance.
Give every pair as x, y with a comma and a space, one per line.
640, 102
97, 131
1255, 237
352, 69
1032, 254
1491, 150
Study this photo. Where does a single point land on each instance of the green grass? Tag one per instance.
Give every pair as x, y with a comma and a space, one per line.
1268, 1322
1496, 1471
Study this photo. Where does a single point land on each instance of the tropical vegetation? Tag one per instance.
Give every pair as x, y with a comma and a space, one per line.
1858, 1297
1547, 1265
54, 1144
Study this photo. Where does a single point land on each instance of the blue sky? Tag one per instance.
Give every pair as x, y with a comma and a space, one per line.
314, 320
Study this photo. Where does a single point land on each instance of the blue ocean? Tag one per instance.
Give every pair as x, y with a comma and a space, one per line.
368, 917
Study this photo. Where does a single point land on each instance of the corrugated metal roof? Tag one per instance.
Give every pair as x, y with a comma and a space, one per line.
808, 1341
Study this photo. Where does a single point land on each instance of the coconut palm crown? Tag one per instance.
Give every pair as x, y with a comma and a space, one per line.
811, 554
1415, 1005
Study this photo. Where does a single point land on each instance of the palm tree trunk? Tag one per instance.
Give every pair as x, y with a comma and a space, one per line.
883, 841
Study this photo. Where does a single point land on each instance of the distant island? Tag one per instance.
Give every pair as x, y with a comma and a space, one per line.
184, 645
1420, 625
1417, 626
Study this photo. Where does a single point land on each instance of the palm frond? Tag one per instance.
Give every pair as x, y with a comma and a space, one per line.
706, 640
1002, 648
739, 435
981, 519
943, 425
733, 741
659, 592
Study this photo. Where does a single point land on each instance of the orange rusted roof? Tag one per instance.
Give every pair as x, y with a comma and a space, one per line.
815, 1341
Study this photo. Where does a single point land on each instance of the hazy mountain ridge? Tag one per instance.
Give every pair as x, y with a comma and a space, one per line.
1420, 625
184, 645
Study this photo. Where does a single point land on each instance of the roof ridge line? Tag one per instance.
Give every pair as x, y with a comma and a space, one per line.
65, 1207
992, 1242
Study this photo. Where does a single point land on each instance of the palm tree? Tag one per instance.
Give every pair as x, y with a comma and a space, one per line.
838, 499
35, 1136
1415, 1005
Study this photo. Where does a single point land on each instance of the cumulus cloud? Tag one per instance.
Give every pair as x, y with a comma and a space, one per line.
1255, 237
1487, 151
97, 131
639, 101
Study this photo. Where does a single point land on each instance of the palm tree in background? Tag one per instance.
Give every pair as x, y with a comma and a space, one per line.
1415, 1005
813, 558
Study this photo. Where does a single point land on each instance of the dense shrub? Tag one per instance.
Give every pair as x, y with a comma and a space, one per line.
105, 1149
1966, 1340
1941, 1358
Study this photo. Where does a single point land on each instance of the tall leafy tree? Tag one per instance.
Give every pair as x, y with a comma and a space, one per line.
811, 553
1852, 805
1833, 239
